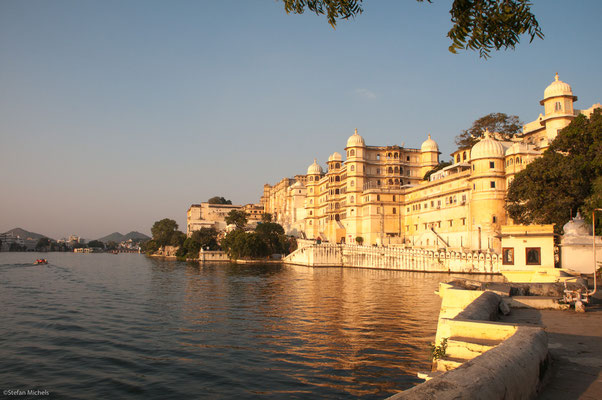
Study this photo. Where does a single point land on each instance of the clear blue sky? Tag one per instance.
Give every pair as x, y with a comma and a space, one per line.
114, 114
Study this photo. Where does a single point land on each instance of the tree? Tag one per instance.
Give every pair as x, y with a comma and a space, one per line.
112, 245
43, 244
149, 246
567, 178
482, 25
438, 167
505, 125
266, 217
359, 240
237, 217
97, 244
273, 235
218, 200
206, 238
163, 231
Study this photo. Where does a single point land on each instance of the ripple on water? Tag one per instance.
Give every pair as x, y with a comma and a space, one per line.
105, 326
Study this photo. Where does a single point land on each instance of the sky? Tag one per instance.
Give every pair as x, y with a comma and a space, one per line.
115, 114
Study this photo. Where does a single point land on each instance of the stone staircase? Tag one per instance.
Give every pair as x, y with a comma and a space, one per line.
461, 349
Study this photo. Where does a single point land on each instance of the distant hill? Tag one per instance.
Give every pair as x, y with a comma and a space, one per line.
25, 235
118, 237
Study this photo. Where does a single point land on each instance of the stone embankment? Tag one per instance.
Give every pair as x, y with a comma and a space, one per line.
484, 358
396, 258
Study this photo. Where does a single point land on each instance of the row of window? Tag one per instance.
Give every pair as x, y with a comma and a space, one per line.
436, 224
449, 200
532, 255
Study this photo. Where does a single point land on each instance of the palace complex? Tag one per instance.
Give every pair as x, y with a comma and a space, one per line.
378, 193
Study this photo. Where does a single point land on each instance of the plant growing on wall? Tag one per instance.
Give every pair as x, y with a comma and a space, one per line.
440, 351
359, 240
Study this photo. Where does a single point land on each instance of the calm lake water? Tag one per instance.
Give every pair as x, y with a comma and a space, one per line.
123, 326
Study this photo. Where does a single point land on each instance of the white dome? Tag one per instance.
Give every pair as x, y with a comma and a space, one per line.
557, 88
297, 185
355, 140
429, 145
314, 169
336, 156
487, 148
577, 227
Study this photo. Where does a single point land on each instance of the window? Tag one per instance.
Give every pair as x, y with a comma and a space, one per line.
394, 210
458, 158
352, 199
337, 165
463, 221
337, 178
492, 184
494, 219
491, 164
451, 223
508, 256
390, 181
378, 197
464, 156
352, 152
311, 190
336, 191
311, 178
377, 171
557, 106
353, 167
408, 158
390, 170
393, 197
352, 183
533, 255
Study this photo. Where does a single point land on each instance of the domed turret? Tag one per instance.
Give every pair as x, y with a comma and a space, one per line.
557, 88
336, 156
315, 169
429, 145
355, 140
487, 148
577, 227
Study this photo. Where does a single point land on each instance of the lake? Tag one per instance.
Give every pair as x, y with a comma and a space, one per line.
129, 326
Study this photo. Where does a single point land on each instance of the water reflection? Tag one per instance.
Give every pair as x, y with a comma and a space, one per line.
112, 326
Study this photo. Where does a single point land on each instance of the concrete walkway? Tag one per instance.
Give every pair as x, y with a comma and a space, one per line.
575, 343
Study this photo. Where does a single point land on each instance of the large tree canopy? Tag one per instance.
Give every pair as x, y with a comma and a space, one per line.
567, 178
165, 232
219, 200
480, 25
237, 217
506, 125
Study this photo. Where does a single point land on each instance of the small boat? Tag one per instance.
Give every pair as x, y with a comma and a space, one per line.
40, 261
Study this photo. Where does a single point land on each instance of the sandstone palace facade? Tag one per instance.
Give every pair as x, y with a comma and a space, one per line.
378, 193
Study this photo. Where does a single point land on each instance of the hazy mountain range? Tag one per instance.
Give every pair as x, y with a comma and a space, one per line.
118, 237
115, 236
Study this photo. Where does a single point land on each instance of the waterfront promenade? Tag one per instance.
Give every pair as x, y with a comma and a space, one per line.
575, 344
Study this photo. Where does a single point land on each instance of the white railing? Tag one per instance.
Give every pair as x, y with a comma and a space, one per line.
406, 259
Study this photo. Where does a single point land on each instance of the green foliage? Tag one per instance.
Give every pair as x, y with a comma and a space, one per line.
273, 235
96, 243
165, 233
438, 167
266, 217
218, 200
359, 240
43, 244
506, 125
567, 177
440, 351
482, 25
205, 238
237, 217
240, 244
112, 245
149, 246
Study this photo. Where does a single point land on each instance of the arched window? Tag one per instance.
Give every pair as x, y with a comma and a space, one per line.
336, 191
353, 167
396, 170
337, 165
464, 156
337, 206
311, 190
458, 158
352, 199
401, 170
352, 183
378, 197
336, 217
518, 160
311, 178
389, 155
557, 106
378, 156
337, 178
311, 201
396, 155
390, 170
511, 161
352, 152
390, 181
378, 182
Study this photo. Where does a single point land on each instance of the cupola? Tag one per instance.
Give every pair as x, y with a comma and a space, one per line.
315, 169
355, 140
429, 145
558, 88
487, 147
